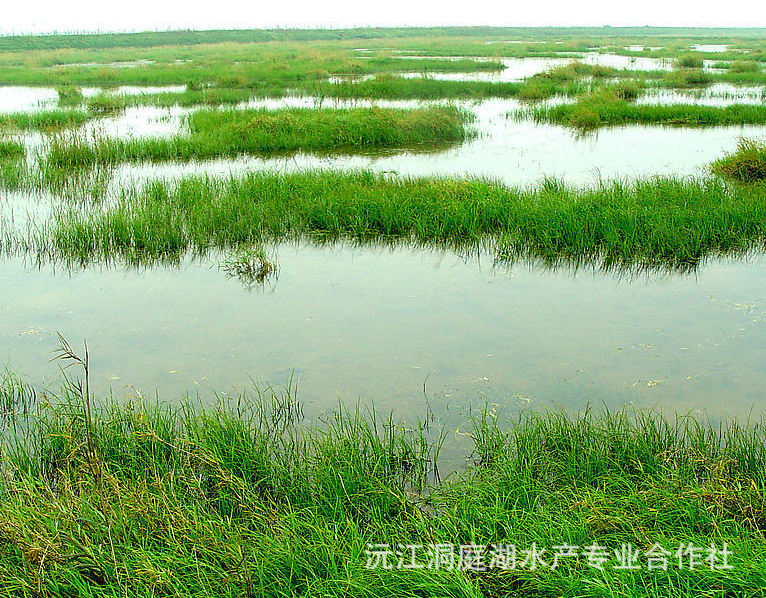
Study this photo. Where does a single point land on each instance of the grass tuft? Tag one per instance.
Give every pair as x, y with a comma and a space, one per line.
747, 164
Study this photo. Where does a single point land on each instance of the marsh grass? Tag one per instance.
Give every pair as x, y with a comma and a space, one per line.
403, 88
44, 119
104, 105
746, 165
11, 149
662, 221
231, 132
244, 498
689, 61
597, 110
69, 95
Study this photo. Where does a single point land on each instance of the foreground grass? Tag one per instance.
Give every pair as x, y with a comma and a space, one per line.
147, 499
659, 221
215, 133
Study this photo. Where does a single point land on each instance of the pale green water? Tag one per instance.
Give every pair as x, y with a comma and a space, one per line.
378, 324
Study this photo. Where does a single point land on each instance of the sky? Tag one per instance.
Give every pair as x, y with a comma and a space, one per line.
44, 16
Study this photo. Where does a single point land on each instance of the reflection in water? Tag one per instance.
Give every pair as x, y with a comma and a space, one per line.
380, 323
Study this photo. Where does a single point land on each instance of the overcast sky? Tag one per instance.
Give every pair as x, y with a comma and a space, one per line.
21, 16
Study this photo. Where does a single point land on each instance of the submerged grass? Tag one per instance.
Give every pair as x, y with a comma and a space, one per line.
215, 133
149, 499
660, 221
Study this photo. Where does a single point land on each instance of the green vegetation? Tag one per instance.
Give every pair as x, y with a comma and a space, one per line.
744, 66
216, 133
403, 88
10, 149
69, 94
664, 222
602, 109
105, 105
747, 164
689, 78
147, 499
44, 119
689, 61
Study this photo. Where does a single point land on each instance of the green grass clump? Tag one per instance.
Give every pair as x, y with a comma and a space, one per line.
69, 95
688, 78
744, 66
689, 61
100, 498
665, 222
44, 119
11, 149
405, 88
596, 111
747, 164
13, 167
215, 133
626, 90
105, 104
561, 80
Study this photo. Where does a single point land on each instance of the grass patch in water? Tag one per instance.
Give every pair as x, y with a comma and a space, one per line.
667, 222
69, 95
689, 61
150, 499
404, 88
44, 119
215, 133
746, 165
598, 110
11, 149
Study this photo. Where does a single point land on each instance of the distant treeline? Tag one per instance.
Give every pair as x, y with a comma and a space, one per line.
191, 37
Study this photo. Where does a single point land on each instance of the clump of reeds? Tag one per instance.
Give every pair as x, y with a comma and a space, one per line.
689, 61
44, 119
606, 109
688, 77
746, 164
11, 149
744, 66
105, 104
69, 95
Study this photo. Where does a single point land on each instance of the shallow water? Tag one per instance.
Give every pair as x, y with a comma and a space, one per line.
29, 99
26, 99
518, 69
379, 324
712, 48
720, 94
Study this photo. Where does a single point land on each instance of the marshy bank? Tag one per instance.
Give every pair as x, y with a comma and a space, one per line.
103, 498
